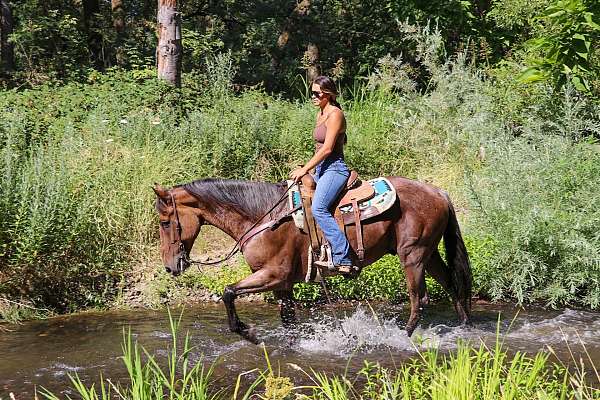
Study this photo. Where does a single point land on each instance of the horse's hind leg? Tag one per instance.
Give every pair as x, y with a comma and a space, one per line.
437, 268
287, 308
412, 259
423, 295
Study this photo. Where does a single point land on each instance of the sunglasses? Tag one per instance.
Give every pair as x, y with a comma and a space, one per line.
316, 94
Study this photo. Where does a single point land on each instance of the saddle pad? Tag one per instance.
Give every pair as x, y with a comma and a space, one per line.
385, 196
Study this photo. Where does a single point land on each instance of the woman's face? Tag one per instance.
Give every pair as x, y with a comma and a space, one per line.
317, 96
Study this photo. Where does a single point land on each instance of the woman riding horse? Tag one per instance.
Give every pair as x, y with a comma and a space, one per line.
331, 172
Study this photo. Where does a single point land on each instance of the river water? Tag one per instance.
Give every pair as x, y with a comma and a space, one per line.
43, 353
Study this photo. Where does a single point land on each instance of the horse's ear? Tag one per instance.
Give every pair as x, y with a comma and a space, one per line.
160, 192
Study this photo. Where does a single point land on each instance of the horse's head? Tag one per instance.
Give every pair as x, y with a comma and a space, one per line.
179, 226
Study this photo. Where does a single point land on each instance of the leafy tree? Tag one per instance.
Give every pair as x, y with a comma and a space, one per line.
565, 50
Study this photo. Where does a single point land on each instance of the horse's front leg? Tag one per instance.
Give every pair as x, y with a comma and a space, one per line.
262, 280
235, 324
287, 308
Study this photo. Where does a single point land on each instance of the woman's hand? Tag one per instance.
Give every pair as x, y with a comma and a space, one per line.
298, 173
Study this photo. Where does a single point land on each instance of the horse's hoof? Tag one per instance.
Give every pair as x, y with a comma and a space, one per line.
292, 324
250, 335
410, 329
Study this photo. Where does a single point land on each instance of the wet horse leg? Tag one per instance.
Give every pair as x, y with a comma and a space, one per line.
412, 258
438, 269
423, 295
262, 280
287, 309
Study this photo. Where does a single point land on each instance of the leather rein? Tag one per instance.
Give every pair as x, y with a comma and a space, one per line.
254, 230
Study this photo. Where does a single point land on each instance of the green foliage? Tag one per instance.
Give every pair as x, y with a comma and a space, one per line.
215, 280
482, 251
469, 372
565, 50
55, 41
539, 209
77, 162
383, 280
48, 42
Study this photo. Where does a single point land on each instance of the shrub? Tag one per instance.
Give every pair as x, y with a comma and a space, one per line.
537, 201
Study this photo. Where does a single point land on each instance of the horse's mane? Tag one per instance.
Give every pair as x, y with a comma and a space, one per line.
252, 199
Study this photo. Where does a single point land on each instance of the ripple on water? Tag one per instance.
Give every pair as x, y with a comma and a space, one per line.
571, 326
161, 335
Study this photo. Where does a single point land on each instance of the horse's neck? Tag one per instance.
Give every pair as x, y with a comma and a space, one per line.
230, 222
233, 219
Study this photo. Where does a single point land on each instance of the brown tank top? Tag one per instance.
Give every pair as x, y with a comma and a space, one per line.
319, 136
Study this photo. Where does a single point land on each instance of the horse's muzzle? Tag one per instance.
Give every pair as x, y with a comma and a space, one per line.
180, 266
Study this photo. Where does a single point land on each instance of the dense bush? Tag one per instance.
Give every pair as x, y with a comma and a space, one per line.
540, 207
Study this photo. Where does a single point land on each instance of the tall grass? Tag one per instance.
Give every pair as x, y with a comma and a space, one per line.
77, 163
540, 208
467, 373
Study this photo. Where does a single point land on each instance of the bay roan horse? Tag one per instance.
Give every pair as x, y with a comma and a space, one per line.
411, 228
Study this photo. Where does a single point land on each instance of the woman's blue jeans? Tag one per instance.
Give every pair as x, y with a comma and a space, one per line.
331, 177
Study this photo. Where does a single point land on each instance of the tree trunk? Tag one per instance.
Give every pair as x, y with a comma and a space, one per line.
169, 50
7, 57
91, 7
118, 17
301, 10
312, 57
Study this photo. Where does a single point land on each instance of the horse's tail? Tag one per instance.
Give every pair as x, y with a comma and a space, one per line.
458, 260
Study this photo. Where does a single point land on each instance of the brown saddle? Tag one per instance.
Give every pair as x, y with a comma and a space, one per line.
356, 191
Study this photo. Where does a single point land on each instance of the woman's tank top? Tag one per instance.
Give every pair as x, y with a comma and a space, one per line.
319, 136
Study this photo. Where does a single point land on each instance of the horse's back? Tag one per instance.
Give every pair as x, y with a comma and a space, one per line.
424, 208
413, 192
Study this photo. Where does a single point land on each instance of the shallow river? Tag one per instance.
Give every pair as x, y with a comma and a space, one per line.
44, 353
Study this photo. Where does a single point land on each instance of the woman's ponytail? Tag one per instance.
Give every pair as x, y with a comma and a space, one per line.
335, 103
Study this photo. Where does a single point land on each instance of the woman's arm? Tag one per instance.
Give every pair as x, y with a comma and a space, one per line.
335, 124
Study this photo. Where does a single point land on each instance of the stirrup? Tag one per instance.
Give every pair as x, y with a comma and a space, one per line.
348, 269
351, 270
325, 264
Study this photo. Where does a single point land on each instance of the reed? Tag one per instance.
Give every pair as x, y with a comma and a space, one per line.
181, 379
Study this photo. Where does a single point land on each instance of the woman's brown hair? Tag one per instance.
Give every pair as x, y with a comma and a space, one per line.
327, 85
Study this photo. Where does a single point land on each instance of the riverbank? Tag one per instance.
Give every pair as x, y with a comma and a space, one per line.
521, 164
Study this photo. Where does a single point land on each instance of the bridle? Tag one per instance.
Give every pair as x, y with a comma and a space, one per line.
178, 229
272, 224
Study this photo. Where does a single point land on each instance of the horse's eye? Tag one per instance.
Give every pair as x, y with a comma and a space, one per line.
165, 224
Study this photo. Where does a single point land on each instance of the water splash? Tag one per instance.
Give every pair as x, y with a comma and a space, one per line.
364, 332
